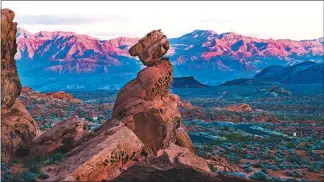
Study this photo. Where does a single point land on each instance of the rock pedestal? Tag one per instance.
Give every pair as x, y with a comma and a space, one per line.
145, 105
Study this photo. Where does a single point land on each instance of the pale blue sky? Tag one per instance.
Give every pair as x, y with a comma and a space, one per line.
105, 20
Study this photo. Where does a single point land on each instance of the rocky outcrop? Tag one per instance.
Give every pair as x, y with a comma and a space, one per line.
145, 121
161, 169
240, 108
62, 137
177, 154
101, 157
145, 104
10, 83
18, 127
190, 112
58, 96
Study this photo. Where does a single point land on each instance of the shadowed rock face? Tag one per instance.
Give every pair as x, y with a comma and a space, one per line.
162, 169
10, 83
18, 127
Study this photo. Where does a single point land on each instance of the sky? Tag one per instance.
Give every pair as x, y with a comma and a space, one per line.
295, 20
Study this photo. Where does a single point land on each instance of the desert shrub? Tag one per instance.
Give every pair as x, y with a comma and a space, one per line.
248, 169
275, 168
259, 176
264, 170
6, 176
276, 179
289, 173
316, 167
238, 174
298, 174
212, 167
258, 165
25, 177
56, 157
43, 175
291, 180
33, 164
282, 166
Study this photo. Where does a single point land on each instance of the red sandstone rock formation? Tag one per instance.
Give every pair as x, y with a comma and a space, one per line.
101, 157
240, 108
10, 83
177, 154
62, 137
60, 96
145, 104
18, 127
145, 120
151, 48
145, 124
161, 169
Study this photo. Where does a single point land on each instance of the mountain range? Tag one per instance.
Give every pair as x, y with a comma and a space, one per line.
70, 59
302, 73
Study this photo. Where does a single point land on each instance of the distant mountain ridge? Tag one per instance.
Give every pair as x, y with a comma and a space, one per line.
187, 82
303, 73
204, 54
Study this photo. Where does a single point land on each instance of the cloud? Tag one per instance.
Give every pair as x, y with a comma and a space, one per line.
67, 20
213, 20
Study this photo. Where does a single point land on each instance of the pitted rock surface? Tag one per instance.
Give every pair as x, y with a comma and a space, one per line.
62, 137
151, 48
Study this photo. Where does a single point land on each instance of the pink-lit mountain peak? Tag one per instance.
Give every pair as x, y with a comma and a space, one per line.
200, 49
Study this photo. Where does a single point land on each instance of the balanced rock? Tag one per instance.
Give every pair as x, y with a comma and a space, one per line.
147, 107
151, 48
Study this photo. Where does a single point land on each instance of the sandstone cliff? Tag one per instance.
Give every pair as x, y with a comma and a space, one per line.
18, 128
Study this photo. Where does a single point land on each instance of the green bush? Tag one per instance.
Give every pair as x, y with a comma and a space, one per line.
259, 176
57, 157
212, 167
43, 175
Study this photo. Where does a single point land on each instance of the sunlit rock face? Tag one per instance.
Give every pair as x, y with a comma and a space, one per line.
18, 128
145, 104
10, 83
